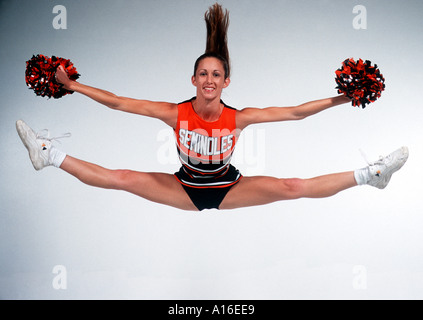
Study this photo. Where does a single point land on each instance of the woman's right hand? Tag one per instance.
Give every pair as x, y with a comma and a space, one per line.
62, 77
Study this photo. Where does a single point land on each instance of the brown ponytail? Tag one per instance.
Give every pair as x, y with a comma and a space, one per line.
217, 23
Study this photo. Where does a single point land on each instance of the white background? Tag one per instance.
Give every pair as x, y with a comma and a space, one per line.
363, 243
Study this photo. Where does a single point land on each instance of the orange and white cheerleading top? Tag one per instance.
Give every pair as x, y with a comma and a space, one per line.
205, 148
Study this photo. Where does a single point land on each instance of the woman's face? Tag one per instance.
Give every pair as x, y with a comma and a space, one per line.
210, 78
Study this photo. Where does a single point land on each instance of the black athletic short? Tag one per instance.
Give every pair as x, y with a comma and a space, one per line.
208, 193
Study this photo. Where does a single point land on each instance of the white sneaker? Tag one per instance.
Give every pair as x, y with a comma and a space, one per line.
381, 171
38, 146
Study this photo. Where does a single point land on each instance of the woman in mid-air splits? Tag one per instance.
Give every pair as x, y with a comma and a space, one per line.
206, 131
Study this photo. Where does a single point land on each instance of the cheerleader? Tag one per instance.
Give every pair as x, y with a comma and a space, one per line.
206, 132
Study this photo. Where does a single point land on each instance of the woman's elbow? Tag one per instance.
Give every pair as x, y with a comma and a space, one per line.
116, 103
297, 115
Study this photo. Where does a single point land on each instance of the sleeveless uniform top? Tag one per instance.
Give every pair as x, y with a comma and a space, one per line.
205, 148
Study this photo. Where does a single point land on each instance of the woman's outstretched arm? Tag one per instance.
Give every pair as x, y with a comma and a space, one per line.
249, 116
167, 112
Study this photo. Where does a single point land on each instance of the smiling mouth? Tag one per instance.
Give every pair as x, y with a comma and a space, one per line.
209, 89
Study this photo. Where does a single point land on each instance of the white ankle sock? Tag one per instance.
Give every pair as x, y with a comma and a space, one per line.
362, 176
56, 157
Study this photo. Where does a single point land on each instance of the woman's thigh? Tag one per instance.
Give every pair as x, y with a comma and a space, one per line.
157, 187
260, 190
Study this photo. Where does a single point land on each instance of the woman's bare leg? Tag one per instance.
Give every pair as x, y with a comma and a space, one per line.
251, 191
157, 187
165, 189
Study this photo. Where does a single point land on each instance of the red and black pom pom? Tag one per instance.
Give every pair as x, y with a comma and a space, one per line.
40, 75
360, 81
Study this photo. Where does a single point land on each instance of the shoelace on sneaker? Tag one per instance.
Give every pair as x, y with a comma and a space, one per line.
363, 154
45, 134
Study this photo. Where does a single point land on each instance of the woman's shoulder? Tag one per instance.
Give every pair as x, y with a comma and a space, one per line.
186, 102
228, 107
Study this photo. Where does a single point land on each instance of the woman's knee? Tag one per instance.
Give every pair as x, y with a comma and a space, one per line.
292, 188
125, 179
